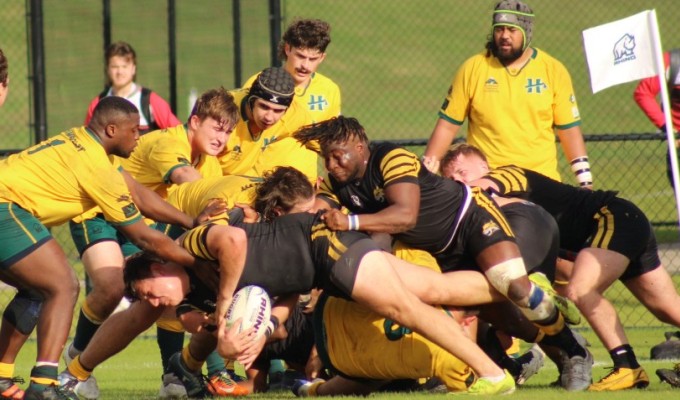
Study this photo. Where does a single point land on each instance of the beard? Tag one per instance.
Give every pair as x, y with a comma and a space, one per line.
505, 58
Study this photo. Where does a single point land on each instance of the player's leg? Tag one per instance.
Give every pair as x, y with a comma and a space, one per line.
376, 285
47, 271
112, 337
656, 290
97, 243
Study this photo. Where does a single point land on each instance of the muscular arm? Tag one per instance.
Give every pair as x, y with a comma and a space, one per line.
153, 206
228, 245
400, 215
442, 136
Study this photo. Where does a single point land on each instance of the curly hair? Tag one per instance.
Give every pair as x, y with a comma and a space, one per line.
281, 189
306, 34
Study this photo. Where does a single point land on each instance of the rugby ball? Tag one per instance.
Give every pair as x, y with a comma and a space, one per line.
253, 306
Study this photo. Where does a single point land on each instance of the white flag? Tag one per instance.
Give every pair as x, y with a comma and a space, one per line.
621, 51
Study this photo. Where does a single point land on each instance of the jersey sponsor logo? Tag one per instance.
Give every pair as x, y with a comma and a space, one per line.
123, 198
624, 49
129, 210
267, 141
317, 103
536, 85
491, 85
49, 144
490, 228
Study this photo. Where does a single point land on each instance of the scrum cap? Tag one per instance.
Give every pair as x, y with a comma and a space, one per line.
516, 14
275, 85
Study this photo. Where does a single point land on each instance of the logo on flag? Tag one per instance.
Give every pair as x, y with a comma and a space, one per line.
624, 49
621, 51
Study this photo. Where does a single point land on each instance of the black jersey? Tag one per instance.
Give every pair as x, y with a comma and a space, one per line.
440, 199
293, 254
573, 208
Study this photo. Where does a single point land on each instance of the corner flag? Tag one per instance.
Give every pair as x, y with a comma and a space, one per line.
628, 50
621, 51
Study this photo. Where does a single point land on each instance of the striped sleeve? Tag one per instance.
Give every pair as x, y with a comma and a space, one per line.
399, 164
511, 180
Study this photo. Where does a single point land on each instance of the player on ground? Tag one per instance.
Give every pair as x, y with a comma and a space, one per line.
387, 189
50, 183
121, 71
613, 240
183, 153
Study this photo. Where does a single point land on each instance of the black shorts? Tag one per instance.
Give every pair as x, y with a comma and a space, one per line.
622, 227
482, 226
537, 235
343, 273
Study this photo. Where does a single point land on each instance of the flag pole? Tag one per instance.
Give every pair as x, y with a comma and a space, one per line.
670, 136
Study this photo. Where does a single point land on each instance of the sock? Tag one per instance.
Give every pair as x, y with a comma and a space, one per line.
169, 343
493, 348
566, 341
188, 359
624, 357
6, 370
76, 369
88, 323
45, 373
214, 363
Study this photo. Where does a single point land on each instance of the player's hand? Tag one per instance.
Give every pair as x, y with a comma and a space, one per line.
249, 214
231, 343
213, 208
194, 321
249, 354
336, 220
431, 163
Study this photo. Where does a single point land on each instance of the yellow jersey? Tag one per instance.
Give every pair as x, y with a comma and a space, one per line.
63, 177
321, 97
192, 197
512, 114
160, 152
252, 156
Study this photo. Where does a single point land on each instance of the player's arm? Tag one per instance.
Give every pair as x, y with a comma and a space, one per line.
184, 174
156, 243
153, 206
486, 184
400, 215
228, 245
574, 149
442, 136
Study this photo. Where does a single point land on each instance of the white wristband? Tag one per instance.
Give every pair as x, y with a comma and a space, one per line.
353, 222
581, 168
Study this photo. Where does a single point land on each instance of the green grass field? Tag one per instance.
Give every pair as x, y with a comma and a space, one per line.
135, 373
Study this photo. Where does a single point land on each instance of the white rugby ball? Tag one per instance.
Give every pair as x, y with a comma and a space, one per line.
253, 306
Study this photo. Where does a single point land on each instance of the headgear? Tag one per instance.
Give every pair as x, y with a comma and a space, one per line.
516, 14
275, 85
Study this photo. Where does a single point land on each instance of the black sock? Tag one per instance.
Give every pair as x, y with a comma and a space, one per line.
85, 329
624, 357
566, 341
169, 343
491, 345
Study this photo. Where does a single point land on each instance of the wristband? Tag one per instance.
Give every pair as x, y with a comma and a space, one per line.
581, 168
353, 222
272, 324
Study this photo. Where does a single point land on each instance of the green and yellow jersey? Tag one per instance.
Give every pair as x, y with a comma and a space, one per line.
65, 176
246, 154
512, 114
160, 152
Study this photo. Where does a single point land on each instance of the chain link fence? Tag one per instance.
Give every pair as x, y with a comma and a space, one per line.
393, 61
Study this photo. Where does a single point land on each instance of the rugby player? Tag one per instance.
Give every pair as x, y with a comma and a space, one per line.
50, 183
612, 238
387, 189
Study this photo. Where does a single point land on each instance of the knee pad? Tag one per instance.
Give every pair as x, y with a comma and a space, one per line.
23, 311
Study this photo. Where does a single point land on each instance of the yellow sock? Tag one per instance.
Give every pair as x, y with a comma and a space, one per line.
189, 360
6, 370
76, 369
